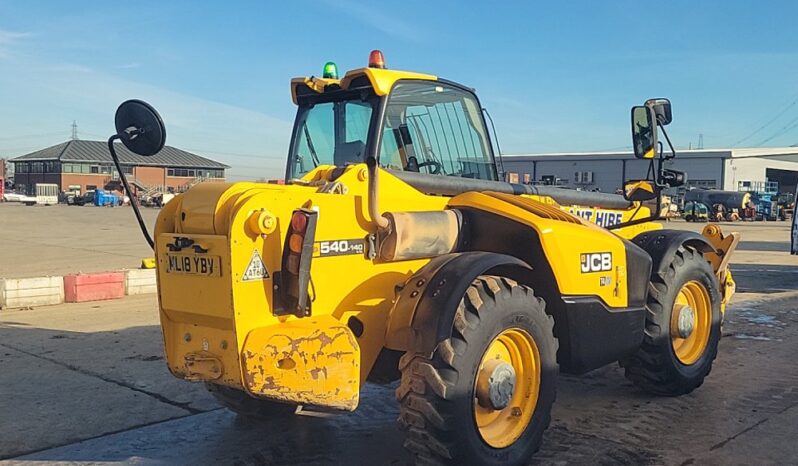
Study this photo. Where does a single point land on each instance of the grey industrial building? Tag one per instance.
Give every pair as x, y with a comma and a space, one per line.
706, 168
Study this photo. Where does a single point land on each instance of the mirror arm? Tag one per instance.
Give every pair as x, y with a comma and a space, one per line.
667, 138
133, 201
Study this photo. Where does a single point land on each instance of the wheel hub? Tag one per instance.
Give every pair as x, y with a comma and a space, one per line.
685, 321
496, 384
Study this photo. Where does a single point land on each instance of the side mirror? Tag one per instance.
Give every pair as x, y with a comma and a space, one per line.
140, 127
662, 110
673, 178
639, 190
644, 132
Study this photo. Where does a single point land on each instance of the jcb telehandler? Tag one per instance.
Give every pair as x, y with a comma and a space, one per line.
395, 252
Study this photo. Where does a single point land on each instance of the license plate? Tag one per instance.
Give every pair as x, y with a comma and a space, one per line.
192, 264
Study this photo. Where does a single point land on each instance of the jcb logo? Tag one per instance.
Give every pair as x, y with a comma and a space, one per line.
596, 262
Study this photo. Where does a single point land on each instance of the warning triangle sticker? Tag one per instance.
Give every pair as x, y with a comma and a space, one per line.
256, 270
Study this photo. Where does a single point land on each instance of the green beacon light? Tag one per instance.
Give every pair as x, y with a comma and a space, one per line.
330, 71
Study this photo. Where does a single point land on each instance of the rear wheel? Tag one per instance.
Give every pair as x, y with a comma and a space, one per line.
247, 406
682, 328
485, 395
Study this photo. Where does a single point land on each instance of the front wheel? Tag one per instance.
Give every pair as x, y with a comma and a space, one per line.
682, 327
485, 395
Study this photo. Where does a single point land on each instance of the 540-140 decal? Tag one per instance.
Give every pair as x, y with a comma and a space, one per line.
339, 247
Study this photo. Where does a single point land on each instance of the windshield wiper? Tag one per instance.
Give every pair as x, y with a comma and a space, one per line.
312, 149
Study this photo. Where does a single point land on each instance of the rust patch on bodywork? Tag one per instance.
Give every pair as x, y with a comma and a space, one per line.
310, 361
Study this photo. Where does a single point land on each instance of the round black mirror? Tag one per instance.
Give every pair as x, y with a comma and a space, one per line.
140, 127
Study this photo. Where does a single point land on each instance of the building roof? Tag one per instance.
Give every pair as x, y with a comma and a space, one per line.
97, 151
778, 153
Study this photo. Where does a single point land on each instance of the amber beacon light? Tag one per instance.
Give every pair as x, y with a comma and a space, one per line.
376, 59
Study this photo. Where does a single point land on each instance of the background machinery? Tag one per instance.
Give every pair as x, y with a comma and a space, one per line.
731, 205
394, 253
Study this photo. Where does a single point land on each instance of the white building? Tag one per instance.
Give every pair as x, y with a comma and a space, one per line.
705, 168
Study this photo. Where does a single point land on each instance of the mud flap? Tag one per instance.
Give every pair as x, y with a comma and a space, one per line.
313, 361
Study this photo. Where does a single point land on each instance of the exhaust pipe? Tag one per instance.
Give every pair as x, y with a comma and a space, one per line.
380, 222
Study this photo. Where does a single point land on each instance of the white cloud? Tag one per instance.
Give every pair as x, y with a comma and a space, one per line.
8, 39
372, 16
48, 97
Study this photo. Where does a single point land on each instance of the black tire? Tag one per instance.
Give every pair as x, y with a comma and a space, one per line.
437, 394
244, 405
655, 366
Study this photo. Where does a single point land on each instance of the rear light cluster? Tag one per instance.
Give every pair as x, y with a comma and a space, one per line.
297, 254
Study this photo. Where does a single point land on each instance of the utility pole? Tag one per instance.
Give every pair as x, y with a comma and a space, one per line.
74, 130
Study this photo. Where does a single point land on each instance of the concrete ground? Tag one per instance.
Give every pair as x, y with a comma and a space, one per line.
60, 239
38, 241
86, 383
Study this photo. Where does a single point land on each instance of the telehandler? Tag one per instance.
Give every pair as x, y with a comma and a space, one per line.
395, 252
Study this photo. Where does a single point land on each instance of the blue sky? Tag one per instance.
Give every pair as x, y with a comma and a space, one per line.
556, 76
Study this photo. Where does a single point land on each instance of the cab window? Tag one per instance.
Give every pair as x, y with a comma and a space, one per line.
437, 129
330, 133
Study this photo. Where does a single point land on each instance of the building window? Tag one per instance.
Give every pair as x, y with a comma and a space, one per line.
95, 169
194, 172
707, 184
91, 187
51, 167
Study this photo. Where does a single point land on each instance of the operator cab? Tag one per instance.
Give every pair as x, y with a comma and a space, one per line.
408, 121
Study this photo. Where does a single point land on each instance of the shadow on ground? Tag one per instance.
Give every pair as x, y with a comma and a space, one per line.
99, 397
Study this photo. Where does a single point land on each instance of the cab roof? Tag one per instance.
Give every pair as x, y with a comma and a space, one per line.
382, 80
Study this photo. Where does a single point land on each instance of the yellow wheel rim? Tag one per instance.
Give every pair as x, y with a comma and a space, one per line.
695, 296
500, 428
